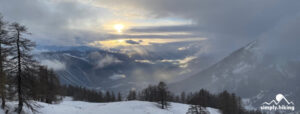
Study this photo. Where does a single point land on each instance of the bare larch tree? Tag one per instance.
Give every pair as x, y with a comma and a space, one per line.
3, 59
23, 60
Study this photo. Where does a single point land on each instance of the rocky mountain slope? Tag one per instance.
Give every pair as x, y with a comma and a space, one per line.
109, 70
250, 73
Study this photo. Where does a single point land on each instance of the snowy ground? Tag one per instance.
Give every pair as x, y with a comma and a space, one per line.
124, 107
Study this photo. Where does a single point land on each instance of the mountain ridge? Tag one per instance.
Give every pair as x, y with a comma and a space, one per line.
247, 72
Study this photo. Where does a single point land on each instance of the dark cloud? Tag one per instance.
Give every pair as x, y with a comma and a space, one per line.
116, 36
171, 28
132, 42
283, 40
51, 21
227, 24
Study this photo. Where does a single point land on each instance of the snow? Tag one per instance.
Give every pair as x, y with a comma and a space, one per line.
81, 58
241, 67
1, 111
123, 107
213, 111
248, 104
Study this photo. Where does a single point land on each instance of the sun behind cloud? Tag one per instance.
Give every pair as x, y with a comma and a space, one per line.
115, 43
119, 27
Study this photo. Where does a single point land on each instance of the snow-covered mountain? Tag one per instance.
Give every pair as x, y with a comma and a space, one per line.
111, 70
124, 107
251, 73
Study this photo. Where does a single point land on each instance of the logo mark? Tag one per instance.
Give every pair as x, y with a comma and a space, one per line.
281, 103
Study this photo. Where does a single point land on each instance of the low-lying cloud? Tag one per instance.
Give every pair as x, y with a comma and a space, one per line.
103, 60
145, 61
107, 60
117, 76
183, 63
54, 64
283, 40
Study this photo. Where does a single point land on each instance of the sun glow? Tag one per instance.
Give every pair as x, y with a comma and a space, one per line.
119, 27
114, 43
120, 40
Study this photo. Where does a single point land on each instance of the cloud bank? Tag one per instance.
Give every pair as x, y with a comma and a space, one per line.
103, 60
117, 76
227, 25
54, 64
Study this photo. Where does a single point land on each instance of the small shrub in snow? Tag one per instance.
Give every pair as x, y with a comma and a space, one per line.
195, 109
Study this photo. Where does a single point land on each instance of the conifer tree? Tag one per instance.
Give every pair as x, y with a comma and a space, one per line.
119, 97
131, 95
113, 97
3, 54
22, 59
162, 91
182, 97
107, 96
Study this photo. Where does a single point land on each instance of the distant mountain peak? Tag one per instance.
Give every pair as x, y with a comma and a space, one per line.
65, 48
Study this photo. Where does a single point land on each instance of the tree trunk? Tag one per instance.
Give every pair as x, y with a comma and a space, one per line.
2, 77
162, 99
19, 75
162, 104
3, 102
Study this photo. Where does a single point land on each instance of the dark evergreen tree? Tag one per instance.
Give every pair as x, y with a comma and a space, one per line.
107, 96
162, 92
99, 96
43, 80
83, 94
131, 95
183, 97
48, 85
177, 99
53, 87
228, 103
119, 97
150, 94
113, 97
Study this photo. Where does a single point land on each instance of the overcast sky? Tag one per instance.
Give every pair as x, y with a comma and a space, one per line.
225, 25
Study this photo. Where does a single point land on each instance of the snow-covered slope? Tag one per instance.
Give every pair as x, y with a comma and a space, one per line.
250, 73
125, 107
